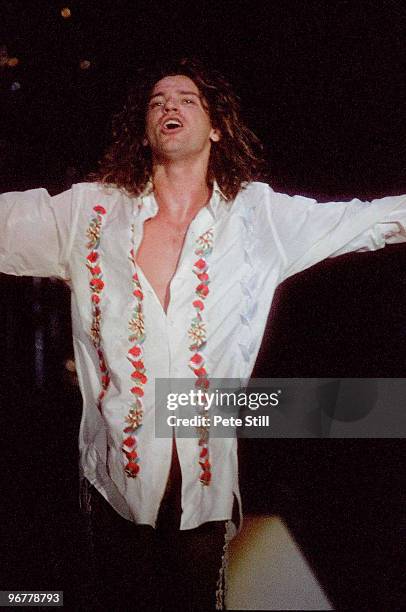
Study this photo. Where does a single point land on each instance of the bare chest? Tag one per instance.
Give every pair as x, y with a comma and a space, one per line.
159, 253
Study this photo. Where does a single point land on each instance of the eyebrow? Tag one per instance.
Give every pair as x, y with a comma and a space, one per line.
182, 93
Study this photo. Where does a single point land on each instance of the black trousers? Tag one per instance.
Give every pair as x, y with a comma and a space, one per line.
139, 568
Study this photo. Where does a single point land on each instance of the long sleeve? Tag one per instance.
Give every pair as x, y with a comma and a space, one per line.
36, 233
308, 231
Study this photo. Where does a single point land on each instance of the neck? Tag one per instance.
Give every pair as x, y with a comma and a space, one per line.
181, 189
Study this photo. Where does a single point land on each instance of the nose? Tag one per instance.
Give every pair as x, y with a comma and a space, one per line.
171, 104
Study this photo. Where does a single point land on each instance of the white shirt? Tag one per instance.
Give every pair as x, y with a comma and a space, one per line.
260, 239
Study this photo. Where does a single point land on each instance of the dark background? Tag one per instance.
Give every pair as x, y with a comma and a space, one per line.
322, 84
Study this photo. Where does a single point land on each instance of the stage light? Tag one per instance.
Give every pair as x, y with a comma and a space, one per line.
15, 86
66, 13
12, 62
84, 64
70, 365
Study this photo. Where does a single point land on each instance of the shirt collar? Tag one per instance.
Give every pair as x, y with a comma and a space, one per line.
217, 200
147, 202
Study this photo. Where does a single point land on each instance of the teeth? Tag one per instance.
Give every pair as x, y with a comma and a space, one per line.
172, 123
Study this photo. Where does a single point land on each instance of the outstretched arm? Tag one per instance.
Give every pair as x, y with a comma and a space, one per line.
36, 233
309, 231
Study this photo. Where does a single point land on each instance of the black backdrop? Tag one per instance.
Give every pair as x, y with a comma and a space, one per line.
322, 84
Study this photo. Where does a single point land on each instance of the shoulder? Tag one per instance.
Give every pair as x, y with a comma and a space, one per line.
261, 196
263, 193
93, 193
259, 192
254, 188
251, 195
92, 188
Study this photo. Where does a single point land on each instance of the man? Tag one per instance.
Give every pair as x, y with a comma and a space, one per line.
173, 255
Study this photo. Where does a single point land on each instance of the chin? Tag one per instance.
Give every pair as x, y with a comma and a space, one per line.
173, 154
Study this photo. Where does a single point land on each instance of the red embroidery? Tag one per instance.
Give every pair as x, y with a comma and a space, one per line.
136, 413
197, 335
196, 332
96, 285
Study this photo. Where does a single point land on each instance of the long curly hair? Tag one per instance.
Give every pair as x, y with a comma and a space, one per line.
236, 159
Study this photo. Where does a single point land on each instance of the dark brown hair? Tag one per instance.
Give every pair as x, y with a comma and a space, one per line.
235, 159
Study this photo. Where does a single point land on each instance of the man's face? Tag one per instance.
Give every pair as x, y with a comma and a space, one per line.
177, 123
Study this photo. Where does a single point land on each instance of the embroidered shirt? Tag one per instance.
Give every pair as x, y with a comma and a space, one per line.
85, 235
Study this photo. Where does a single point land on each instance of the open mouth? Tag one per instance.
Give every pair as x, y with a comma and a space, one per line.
171, 125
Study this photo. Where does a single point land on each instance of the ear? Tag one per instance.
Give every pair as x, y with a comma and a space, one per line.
215, 135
